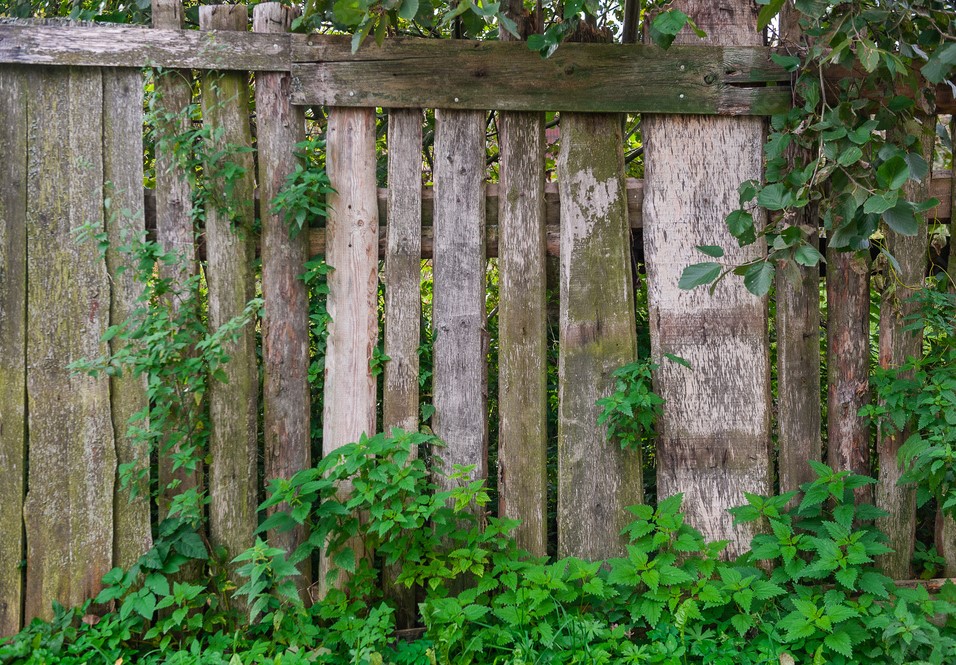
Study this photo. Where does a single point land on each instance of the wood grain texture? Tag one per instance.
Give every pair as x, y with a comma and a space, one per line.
460, 380
125, 220
508, 76
13, 285
945, 532
848, 363
174, 221
714, 434
403, 301
230, 252
285, 325
352, 227
134, 46
896, 345
597, 480
403, 306
68, 510
522, 330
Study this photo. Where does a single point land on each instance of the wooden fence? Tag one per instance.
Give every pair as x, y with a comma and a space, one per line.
71, 140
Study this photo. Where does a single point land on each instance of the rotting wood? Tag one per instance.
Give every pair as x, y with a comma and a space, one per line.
352, 228
460, 379
13, 284
285, 324
714, 433
597, 479
173, 223
68, 511
403, 306
230, 251
508, 76
134, 46
125, 220
797, 292
848, 364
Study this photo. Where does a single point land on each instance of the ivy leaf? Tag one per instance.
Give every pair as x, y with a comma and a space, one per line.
766, 14
740, 223
893, 173
759, 277
711, 250
902, 219
698, 274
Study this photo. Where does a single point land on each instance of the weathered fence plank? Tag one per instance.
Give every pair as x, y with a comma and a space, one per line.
460, 380
522, 330
403, 304
123, 181
174, 223
352, 228
848, 363
13, 284
797, 292
945, 532
134, 46
597, 480
508, 76
230, 251
897, 344
285, 325
68, 510
715, 428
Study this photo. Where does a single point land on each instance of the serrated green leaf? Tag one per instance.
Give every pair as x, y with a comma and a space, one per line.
698, 274
740, 223
759, 277
840, 642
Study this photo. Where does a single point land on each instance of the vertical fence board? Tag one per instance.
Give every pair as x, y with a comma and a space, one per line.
174, 223
715, 428
69, 504
460, 385
285, 325
848, 363
123, 180
403, 302
522, 321
597, 480
352, 252
896, 345
230, 252
13, 283
945, 535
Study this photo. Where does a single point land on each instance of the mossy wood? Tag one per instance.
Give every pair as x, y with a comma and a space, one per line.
125, 220
230, 253
13, 284
68, 510
714, 433
597, 479
508, 76
403, 305
352, 227
173, 223
285, 324
522, 330
460, 380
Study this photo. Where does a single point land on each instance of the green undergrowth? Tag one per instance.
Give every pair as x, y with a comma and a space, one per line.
806, 592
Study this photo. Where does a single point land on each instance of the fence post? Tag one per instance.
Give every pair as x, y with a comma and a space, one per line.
13, 284
597, 480
715, 429
174, 217
285, 324
230, 252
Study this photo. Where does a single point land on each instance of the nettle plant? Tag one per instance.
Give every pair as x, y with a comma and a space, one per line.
847, 148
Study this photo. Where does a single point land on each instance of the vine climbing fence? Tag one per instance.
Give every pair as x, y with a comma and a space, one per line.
71, 155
